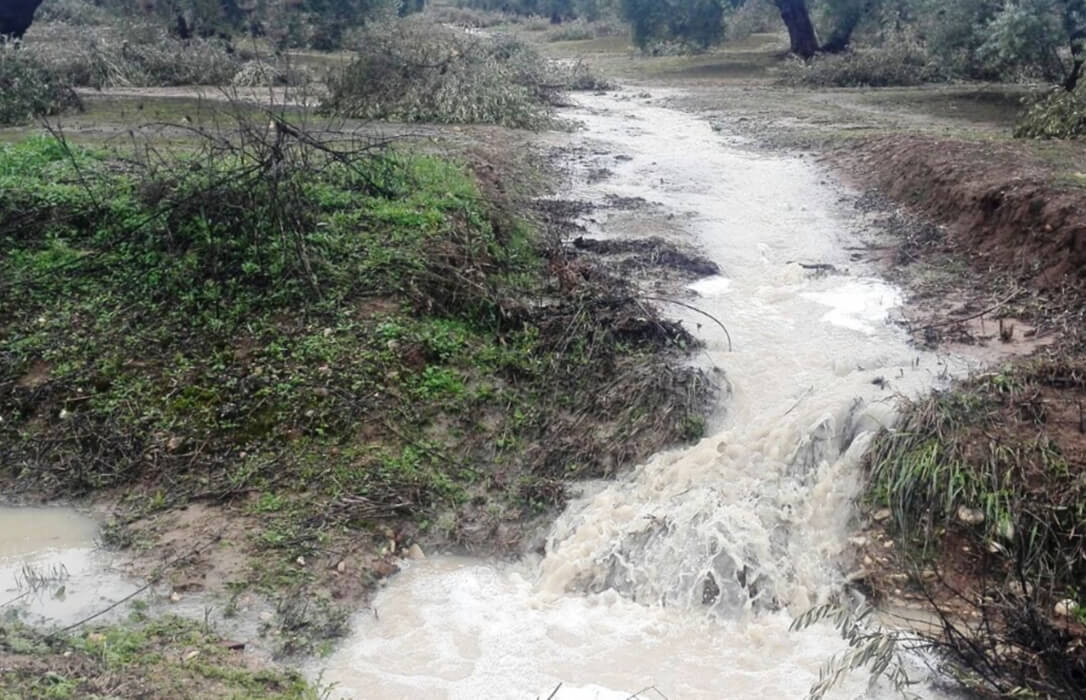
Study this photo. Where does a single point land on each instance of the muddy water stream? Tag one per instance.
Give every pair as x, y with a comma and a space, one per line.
684, 573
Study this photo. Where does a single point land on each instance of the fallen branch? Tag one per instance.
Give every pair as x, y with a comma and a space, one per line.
695, 309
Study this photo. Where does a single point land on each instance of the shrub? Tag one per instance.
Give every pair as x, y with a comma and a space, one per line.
897, 63
753, 17
413, 70
29, 89
138, 55
578, 30
257, 73
471, 17
75, 12
1058, 114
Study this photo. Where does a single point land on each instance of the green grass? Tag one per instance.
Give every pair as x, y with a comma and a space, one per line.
986, 490
162, 658
352, 341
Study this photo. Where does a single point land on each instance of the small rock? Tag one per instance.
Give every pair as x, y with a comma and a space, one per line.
970, 516
928, 574
899, 577
190, 655
65, 414
341, 566
175, 597
857, 575
1065, 608
300, 561
174, 443
881, 514
889, 544
266, 616
868, 561
415, 552
858, 541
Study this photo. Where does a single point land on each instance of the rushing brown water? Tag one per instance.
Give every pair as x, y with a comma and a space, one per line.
684, 574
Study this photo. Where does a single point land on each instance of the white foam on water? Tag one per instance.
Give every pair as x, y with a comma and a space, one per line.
685, 572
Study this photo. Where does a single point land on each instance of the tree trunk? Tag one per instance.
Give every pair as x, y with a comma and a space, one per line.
842, 34
16, 17
1074, 20
800, 30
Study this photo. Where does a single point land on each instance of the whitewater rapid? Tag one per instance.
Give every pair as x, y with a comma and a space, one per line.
680, 577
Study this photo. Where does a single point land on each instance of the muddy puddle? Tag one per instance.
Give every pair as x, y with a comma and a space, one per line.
52, 571
684, 574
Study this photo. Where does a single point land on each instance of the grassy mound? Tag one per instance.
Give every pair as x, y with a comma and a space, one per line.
340, 337
986, 490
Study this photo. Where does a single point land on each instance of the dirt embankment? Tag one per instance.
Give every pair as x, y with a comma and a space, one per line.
1001, 207
977, 499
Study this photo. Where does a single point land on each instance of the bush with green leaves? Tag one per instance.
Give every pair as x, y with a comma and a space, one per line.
413, 70
1059, 114
29, 88
900, 63
556, 10
694, 24
132, 55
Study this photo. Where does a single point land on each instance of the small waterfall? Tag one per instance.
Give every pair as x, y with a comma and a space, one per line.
684, 573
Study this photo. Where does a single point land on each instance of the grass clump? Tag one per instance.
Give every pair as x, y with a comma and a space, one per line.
29, 88
1059, 114
898, 63
413, 70
985, 486
156, 659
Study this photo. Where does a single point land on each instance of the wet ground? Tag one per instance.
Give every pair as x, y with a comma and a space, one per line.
684, 574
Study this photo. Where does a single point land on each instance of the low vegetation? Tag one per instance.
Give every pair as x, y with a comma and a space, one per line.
414, 70
901, 63
132, 55
159, 659
30, 89
1058, 114
984, 486
357, 337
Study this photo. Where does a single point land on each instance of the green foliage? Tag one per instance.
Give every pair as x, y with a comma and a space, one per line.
696, 24
285, 316
29, 88
989, 468
900, 63
1026, 36
555, 10
1059, 114
174, 656
132, 55
413, 70
870, 646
